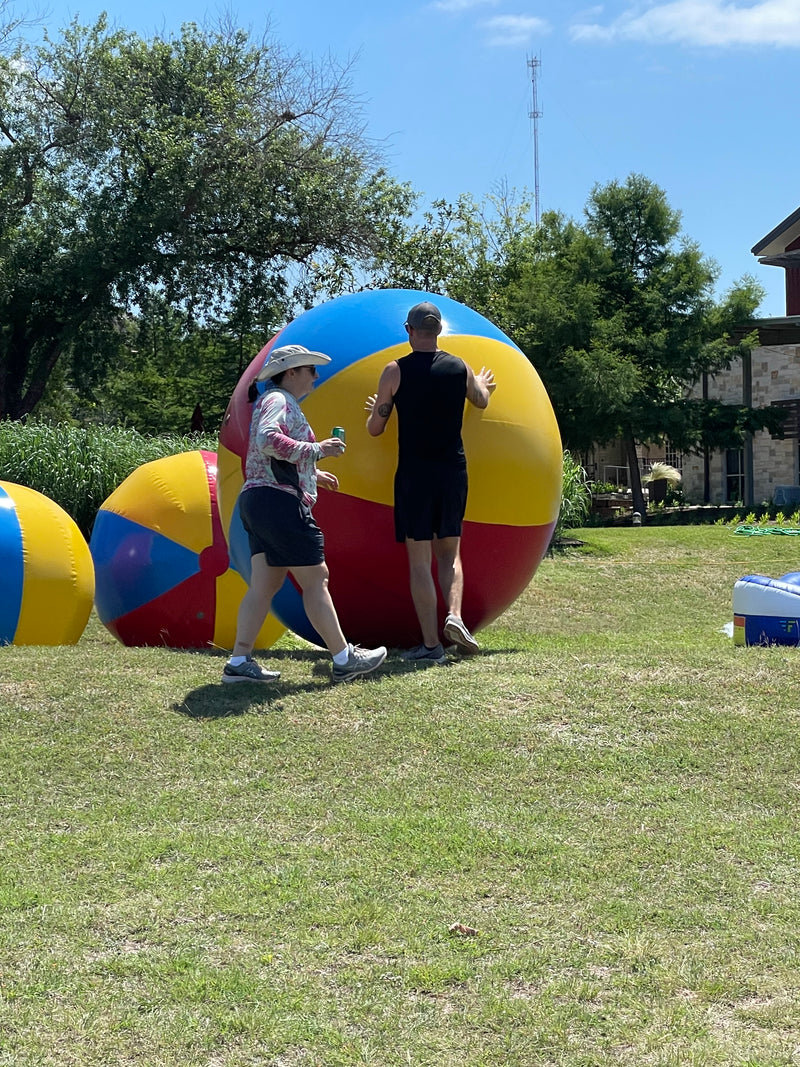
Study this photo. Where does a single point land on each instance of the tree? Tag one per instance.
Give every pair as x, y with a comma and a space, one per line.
619, 318
463, 250
208, 169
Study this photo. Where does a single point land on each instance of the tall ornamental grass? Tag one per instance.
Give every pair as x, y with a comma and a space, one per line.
576, 497
79, 467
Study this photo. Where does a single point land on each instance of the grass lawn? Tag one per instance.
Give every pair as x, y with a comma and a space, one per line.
193, 874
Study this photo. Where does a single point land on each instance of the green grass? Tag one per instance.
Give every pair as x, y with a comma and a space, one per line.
191, 875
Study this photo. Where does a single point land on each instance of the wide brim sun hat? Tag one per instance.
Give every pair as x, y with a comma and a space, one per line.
288, 356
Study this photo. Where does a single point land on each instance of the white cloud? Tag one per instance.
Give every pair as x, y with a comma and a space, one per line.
703, 22
457, 6
514, 29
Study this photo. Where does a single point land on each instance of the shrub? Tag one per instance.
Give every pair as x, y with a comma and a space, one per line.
576, 497
79, 468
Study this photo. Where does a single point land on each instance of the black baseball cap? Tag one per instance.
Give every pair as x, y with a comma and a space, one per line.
425, 316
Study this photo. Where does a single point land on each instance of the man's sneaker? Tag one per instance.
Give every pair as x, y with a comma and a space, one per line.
456, 632
423, 654
249, 671
359, 661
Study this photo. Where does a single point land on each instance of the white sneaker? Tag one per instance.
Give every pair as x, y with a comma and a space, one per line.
249, 671
359, 661
456, 632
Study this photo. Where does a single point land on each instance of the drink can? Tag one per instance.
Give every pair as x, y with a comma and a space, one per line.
338, 431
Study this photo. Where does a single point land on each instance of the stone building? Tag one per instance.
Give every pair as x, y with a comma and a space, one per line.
765, 469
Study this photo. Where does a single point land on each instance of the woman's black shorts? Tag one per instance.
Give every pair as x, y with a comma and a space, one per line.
281, 526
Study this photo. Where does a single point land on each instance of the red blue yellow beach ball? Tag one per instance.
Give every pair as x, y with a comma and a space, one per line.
161, 559
513, 449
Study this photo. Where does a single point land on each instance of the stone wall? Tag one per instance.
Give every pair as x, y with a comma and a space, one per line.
775, 376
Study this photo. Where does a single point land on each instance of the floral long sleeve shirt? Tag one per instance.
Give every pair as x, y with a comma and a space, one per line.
282, 452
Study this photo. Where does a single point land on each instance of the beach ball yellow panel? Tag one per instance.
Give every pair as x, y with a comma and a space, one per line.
46, 572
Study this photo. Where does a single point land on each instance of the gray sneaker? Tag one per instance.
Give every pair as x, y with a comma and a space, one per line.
456, 632
249, 671
423, 654
359, 661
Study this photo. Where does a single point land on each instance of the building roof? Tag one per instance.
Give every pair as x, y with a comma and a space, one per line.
780, 331
778, 240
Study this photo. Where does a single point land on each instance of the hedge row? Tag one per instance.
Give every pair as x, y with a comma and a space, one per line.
79, 468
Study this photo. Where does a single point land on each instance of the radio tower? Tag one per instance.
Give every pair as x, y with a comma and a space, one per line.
535, 114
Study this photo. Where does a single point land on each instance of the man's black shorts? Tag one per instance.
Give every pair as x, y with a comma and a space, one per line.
429, 501
281, 526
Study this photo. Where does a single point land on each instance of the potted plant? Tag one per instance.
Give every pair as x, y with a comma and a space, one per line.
659, 478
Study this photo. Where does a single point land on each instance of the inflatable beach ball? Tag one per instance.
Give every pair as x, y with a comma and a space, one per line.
514, 457
46, 573
161, 559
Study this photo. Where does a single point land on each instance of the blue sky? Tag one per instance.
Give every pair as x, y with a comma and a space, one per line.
697, 95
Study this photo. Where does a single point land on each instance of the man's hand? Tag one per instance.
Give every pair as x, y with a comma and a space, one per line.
480, 386
486, 378
369, 403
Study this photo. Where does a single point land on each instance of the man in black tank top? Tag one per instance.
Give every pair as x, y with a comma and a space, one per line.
429, 388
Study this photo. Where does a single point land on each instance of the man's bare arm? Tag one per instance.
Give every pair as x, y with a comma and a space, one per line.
381, 404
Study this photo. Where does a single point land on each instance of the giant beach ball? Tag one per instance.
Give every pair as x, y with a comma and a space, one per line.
46, 573
513, 451
161, 559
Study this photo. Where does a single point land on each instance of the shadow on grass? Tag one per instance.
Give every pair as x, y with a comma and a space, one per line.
216, 700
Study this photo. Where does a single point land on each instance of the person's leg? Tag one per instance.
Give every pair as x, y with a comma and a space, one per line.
451, 582
349, 661
450, 573
448, 560
265, 581
423, 589
319, 606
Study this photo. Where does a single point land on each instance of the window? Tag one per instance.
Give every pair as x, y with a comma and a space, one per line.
673, 457
791, 426
734, 474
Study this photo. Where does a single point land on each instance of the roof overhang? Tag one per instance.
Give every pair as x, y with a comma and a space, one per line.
780, 331
779, 239
785, 259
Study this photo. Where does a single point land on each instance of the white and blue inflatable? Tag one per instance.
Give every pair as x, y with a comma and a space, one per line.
766, 611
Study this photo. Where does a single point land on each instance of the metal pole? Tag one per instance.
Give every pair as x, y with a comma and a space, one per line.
535, 114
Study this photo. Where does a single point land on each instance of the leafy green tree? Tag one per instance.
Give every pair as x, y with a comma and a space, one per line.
168, 372
464, 250
619, 318
208, 169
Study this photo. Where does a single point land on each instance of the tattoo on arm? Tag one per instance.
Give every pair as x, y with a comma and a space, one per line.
385, 410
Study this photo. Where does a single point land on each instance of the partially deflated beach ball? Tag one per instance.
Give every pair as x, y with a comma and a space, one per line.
514, 457
161, 559
46, 573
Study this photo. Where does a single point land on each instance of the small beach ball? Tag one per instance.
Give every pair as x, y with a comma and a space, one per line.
514, 458
161, 560
46, 573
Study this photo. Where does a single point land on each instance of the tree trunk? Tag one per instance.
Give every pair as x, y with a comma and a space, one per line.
637, 495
